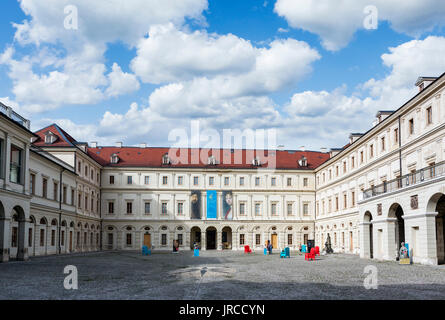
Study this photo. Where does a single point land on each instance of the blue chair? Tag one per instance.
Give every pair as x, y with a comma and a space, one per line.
304, 248
265, 251
285, 253
196, 252
146, 251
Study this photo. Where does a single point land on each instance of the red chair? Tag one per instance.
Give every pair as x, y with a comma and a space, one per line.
310, 255
317, 250
247, 249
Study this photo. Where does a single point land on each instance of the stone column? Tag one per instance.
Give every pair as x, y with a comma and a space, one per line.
235, 240
22, 248
389, 239
365, 240
203, 238
218, 240
4, 239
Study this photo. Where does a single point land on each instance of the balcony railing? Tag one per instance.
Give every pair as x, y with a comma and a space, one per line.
419, 176
14, 116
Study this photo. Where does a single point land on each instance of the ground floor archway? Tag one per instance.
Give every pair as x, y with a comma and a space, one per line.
396, 211
226, 238
195, 237
368, 223
440, 229
211, 238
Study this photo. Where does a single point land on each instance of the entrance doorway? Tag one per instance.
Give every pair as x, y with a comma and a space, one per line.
396, 211
195, 237
274, 241
147, 240
71, 241
226, 238
211, 238
368, 219
440, 230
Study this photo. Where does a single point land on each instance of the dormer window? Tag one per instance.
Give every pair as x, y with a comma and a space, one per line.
256, 162
114, 158
50, 137
211, 160
302, 162
165, 159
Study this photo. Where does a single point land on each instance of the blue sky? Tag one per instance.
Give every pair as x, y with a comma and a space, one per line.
135, 72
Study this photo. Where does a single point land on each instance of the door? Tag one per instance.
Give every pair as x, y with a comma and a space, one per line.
147, 240
275, 241
71, 241
351, 243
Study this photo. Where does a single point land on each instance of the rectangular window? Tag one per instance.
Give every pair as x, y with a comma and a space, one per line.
344, 167
111, 179
45, 188
242, 209
62, 240
289, 239
352, 162
241, 239
429, 115
336, 171
289, 182
371, 151
411, 126
85, 238
64, 195
383, 143
79, 201
72, 196
15, 170
164, 180
396, 135
211, 181
274, 209
147, 208
305, 209
14, 237
180, 208
147, 180
129, 180
53, 238
258, 239
180, 241
336, 203
362, 158
42, 237
129, 240
257, 209
195, 181
353, 198
30, 237
305, 182
257, 181
32, 183
241, 181
345, 201
164, 239
273, 182
164, 208
289, 209
55, 190
226, 181
86, 203
110, 207
180, 180
129, 207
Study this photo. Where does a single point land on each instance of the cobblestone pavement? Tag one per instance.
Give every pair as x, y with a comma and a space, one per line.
216, 275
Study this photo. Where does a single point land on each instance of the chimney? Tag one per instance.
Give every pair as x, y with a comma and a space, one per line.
354, 137
143, 145
334, 151
302, 148
423, 82
93, 144
382, 115
324, 150
119, 144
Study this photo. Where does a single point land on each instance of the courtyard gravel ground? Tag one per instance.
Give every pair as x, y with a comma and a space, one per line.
216, 275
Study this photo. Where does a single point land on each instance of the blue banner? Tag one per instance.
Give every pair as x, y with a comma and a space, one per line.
211, 204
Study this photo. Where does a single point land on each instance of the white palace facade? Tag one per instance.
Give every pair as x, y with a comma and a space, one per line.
385, 187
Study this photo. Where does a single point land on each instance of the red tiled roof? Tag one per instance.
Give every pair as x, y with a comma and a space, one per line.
152, 157
63, 138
